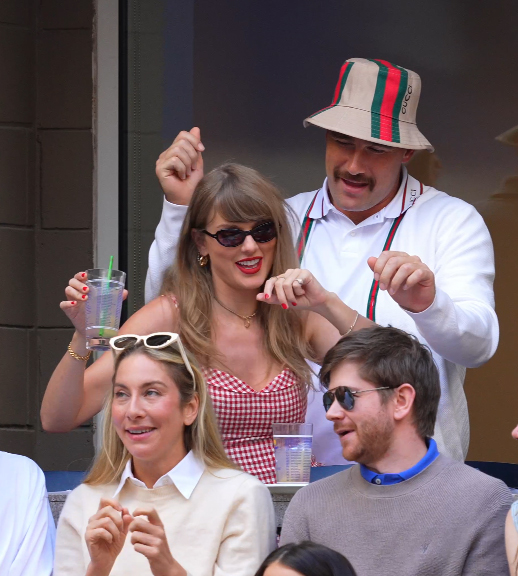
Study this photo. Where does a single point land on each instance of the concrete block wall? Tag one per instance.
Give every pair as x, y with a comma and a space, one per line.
46, 165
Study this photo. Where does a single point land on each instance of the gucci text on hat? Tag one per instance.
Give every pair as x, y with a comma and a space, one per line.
377, 101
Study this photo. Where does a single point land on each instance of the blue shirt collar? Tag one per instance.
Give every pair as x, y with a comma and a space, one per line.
389, 479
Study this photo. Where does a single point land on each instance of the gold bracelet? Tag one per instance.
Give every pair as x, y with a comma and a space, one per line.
352, 326
76, 356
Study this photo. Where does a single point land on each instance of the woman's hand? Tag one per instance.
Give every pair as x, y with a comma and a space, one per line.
148, 537
74, 306
77, 295
294, 288
105, 535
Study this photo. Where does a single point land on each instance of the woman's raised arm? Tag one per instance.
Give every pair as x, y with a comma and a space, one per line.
329, 318
73, 394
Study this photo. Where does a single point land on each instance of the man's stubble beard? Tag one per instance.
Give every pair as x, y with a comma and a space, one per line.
372, 441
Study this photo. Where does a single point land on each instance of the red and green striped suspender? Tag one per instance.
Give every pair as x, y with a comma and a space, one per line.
375, 287
305, 231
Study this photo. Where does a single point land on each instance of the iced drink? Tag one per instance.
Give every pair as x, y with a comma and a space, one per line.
103, 307
292, 444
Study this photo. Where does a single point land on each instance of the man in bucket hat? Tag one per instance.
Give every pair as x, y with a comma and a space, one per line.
399, 252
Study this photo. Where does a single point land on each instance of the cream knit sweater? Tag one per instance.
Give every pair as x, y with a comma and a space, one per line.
226, 527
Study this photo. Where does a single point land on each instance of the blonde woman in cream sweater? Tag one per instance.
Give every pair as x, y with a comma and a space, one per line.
162, 497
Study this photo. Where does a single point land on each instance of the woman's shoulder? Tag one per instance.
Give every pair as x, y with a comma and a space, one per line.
235, 481
87, 495
161, 314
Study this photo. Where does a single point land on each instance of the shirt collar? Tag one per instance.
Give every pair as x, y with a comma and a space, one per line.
409, 190
389, 479
185, 476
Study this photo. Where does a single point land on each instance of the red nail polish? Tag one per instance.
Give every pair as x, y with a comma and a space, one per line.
266, 296
83, 296
83, 274
293, 303
85, 288
285, 306
73, 303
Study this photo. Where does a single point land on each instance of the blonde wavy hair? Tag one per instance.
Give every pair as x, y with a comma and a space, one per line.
202, 436
238, 194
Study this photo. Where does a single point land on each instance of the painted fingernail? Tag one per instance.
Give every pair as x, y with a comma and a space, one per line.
85, 288
293, 303
266, 296
285, 306
83, 296
73, 303
83, 275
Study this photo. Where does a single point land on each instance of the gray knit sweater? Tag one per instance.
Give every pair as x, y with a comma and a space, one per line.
446, 521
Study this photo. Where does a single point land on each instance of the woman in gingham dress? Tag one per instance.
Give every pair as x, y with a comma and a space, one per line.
241, 305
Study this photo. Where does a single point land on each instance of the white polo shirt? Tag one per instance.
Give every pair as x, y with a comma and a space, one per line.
449, 236
27, 530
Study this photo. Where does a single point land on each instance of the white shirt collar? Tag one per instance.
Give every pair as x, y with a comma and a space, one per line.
409, 190
185, 476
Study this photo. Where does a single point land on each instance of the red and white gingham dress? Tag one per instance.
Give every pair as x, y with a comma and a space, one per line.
245, 417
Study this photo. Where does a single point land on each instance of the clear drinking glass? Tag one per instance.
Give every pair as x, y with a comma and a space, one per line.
103, 307
292, 443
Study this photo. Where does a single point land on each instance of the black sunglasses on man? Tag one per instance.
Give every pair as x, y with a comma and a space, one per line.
345, 396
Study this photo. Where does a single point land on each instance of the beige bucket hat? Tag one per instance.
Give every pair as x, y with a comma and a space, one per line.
376, 101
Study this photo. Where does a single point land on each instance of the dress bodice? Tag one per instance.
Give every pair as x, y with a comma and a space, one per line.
246, 416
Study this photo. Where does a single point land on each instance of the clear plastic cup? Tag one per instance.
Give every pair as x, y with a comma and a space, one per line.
292, 444
103, 307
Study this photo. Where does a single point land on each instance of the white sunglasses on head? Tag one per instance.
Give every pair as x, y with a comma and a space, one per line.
154, 341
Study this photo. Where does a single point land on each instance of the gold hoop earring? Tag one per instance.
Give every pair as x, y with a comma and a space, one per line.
202, 260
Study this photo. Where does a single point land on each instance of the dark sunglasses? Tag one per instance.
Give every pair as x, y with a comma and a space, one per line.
345, 396
230, 238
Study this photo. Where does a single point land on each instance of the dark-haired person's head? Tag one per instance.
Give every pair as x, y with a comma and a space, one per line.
305, 559
383, 390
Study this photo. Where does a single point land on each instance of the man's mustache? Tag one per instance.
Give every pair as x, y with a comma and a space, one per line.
358, 178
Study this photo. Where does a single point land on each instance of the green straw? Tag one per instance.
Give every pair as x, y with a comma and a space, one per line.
110, 268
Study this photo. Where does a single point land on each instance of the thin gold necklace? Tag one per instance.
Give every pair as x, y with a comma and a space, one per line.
245, 318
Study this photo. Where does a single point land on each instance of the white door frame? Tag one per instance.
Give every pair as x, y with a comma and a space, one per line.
105, 66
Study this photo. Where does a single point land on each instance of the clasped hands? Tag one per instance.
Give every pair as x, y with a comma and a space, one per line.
409, 282
106, 533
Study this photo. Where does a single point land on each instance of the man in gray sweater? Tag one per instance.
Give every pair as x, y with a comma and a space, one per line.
404, 509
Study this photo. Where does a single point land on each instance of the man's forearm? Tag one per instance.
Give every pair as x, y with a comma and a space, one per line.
162, 253
464, 332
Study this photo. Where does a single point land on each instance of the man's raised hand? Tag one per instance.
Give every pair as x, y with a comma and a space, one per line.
180, 167
408, 280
